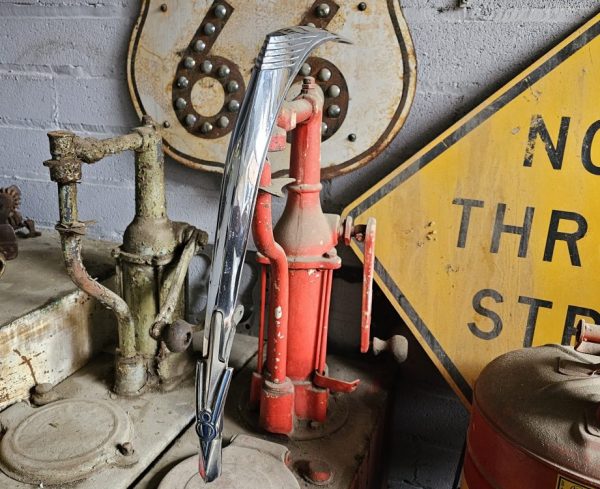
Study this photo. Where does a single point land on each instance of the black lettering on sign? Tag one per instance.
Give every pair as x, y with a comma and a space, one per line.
534, 307
467, 204
570, 238
586, 149
523, 231
570, 330
556, 152
484, 311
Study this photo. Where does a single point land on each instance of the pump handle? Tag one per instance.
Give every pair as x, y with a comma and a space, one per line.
367, 291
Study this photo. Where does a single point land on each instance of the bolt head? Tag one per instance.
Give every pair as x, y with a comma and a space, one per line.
220, 11
232, 86
166, 124
206, 128
223, 71
311, 24
319, 472
206, 67
209, 29
189, 62
324, 74
305, 70
323, 10
233, 106
222, 122
334, 91
362, 6
126, 448
323, 127
182, 82
190, 120
199, 46
351, 137
334, 111
42, 389
164, 7
180, 103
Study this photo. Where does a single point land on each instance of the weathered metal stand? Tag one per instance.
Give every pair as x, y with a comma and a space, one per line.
152, 263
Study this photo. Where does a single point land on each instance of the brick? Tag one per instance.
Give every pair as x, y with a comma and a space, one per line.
26, 97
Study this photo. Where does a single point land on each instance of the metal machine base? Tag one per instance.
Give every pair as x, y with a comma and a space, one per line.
248, 463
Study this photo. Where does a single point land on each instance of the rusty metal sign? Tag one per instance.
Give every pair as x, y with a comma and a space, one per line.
494, 227
189, 63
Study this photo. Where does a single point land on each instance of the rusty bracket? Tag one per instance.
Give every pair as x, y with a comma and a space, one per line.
334, 385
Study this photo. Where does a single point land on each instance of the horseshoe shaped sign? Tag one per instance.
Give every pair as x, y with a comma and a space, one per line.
190, 60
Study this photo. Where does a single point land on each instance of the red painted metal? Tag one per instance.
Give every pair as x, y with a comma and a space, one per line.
300, 256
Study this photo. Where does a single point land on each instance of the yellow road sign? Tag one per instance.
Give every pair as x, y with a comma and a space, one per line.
492, 231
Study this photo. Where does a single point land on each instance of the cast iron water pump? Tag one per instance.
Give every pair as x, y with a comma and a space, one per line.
300, 255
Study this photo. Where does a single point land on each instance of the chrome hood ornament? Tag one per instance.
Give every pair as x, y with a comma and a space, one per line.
278, 63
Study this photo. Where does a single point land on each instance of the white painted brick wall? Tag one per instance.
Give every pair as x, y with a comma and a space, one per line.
62, 65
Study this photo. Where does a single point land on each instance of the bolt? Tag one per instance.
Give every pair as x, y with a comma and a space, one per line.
126, 448
334, 111
362, 6
319, 472
333, 91
232, 86
189, 62
223, 71
323, 127
220, 11
222, 122
206, 128
351, 137
233, 106
41, 389
190, 120
199, 45
324, 74
166, 124
182, 82
314, 425
164, 7
323, 10
305, 70
180, 103
206, 66
209, 29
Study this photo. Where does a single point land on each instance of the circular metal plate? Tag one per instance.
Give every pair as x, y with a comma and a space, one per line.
64, 441
248, 463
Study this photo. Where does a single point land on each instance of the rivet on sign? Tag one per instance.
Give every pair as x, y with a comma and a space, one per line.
333, 91
351, 137
222, 122
166, 124
199, 45
323, 127
190, 120
362, 6
180, 103
323, 10
223, 71
233, 86
206, 66
305, 70
233, 106
164, 7
206, 128
334, 111
189, 62
324, 74
209, 29
182, 82
220, 11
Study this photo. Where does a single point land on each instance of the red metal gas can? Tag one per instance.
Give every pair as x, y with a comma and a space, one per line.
535, 423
